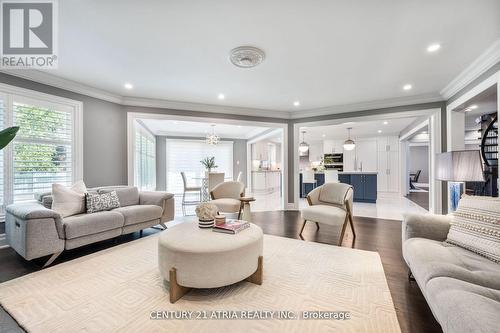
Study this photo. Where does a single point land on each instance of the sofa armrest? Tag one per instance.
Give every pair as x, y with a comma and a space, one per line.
34, 210
33, 230
428, 226
163, 199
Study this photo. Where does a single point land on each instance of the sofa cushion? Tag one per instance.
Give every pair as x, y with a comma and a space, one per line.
69, 201
324, 214
139, 213
462, 307
429, 259
476, 226
227, 205
88, 224
97, 202
128, 195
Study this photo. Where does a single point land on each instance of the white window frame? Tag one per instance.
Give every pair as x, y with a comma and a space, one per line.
138, 127
11, 93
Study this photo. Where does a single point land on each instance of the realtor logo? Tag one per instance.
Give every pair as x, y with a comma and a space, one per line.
28, 34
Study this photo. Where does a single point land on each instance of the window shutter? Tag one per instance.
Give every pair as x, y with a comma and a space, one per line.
42, 149
185, 155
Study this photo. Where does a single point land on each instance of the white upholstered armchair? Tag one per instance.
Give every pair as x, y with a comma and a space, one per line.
226, 196
330, 204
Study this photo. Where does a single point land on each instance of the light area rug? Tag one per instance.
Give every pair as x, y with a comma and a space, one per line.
115, 290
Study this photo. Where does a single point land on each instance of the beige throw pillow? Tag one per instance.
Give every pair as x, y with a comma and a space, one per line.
476, 226
69, 201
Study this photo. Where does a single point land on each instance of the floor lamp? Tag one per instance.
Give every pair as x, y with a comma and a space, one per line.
456, 168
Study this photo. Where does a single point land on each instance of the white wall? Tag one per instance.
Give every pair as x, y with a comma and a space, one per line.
419, 160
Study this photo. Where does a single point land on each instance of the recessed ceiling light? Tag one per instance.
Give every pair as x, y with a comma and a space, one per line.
473, 107
221, 96
239, 126
128, 86
380, 131
349, 123
385, 122
433, 47
407, 87
296, 103
323, 135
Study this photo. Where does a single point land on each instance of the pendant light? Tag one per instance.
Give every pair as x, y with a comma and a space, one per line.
212, 139
303, 146
349, 144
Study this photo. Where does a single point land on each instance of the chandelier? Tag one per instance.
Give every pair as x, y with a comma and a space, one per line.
212, 139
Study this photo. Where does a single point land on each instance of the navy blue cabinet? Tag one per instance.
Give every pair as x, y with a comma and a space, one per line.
304, 190
364, 185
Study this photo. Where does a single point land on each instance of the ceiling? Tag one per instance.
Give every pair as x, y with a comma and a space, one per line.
483, 103
201, 129
364, 129
322, 53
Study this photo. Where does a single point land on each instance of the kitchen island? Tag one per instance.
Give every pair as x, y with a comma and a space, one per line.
363, 182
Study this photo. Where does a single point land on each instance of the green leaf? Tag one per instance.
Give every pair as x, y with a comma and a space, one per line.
7, 135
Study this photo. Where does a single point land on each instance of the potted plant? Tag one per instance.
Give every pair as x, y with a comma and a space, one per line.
7, 135
209, 163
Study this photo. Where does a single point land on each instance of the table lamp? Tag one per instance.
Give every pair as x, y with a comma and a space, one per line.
458, 167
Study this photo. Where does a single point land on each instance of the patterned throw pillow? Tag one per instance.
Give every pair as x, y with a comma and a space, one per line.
476, 226
97, 202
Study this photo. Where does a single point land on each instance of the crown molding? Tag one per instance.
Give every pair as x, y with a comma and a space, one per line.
199, 107
62, 83
371, 105
479, 66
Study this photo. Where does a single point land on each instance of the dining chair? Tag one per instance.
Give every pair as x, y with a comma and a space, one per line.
187, 189
214, 179
308, 178
331, 176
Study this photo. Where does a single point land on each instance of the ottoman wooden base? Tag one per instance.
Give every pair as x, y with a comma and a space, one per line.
176, 291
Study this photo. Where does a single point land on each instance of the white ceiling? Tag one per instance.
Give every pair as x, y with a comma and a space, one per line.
323, 52
201, 129
363, 129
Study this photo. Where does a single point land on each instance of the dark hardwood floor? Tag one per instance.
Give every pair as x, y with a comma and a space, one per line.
383, 236
420, 198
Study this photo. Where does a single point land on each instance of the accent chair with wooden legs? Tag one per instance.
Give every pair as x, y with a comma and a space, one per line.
330, 204
226, 196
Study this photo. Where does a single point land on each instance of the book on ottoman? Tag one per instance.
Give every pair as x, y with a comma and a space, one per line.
231, 226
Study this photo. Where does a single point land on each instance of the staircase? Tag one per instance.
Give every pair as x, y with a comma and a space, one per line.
489, 152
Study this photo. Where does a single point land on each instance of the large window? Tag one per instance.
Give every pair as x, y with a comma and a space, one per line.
46, 149
145, 159
185, 155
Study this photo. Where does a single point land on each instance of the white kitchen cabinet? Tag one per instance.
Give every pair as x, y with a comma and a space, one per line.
366, 155
333, 146
382, 171
315, 151
328, 146
393, 171
349, 156
388, 164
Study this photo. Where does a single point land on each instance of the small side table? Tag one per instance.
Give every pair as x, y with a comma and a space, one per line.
245, 205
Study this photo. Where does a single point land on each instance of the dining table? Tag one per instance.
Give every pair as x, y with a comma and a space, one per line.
205, 195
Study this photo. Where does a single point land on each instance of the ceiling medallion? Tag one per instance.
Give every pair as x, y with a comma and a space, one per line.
246, 56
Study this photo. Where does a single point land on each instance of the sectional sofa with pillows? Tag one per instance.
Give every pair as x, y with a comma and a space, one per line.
67, 218
455, 259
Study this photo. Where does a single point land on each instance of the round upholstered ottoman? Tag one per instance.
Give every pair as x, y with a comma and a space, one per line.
191, 257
